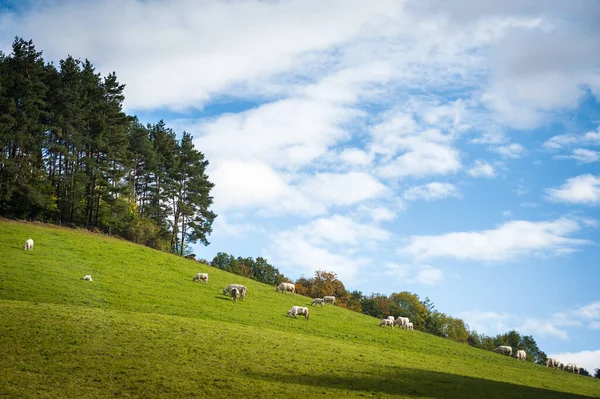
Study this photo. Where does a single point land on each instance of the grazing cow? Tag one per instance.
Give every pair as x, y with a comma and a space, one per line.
235, 293
521, 355
572, 367
88, 277
298, 310
201, 277
386, 322
241, 288
552, 362
318, 301
505, 350
392, 318
401, 321
28, 245
283, 287
408, 326
329, 299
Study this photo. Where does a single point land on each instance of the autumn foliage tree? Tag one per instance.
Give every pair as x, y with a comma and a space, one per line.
323, 283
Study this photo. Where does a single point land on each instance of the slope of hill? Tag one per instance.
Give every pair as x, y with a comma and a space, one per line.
142, 328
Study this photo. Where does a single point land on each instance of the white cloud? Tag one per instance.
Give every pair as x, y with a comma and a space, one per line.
342, 189
542, 328
583, 155
414, 274
481, 169
591, 311
207, 47
595, 325
490, 138
508, 241
223, 227
296, 256
325, 243
341, 230
493, 323
381, 214
287, 134
567, 140
582, 189
432, 192
489, 323
512, 150
256, 185
355, 156
589, 360
560, 141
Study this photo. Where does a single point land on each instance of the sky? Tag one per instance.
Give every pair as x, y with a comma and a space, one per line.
446, 148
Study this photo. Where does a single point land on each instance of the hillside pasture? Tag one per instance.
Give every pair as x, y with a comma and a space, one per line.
142, 328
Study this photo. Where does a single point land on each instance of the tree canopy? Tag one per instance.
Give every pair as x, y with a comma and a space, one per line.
70, 155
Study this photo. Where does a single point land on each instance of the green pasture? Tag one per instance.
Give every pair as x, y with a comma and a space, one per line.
142, 329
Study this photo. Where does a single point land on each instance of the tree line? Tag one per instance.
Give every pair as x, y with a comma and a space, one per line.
421, 312
71, 156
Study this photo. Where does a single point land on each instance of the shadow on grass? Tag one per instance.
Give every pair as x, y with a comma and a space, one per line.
418, 383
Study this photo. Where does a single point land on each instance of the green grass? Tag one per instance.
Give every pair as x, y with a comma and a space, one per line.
142, 328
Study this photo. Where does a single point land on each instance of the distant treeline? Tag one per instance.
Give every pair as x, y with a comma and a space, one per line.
421, 312
70, 155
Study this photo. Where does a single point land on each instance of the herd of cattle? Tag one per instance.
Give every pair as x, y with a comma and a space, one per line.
238, 291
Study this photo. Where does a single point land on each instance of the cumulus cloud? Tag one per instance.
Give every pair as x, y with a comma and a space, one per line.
489, 323
507, 241
432, 192
287, 134
542, 328
583, 155
415, 274
512, 150
568, 140
408, 149
252, 184
381, 214
582, 189
481, 169
342, 188
493, 323
207, 47
325, 243
355, 156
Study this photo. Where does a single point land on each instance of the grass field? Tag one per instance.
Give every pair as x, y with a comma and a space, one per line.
142, 328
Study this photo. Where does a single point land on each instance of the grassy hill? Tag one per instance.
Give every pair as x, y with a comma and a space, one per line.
142, 328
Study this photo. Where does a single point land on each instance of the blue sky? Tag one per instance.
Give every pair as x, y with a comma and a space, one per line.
450, 148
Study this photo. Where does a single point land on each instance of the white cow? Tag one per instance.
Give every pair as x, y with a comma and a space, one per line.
318, 301
28, 245
241, 288
401, 321
88, 277
505, 350
552, 362
408, 326
561, 365
387, 322
298, 310
521, 355
201, 277
392, 318
283, 287
572, 367
329, 299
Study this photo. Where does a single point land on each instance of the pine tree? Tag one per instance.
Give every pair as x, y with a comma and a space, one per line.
23, 188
